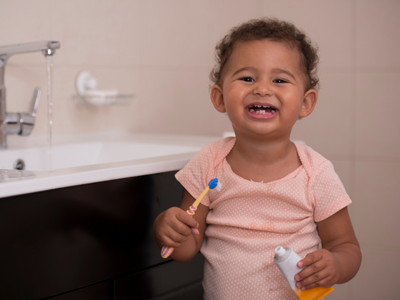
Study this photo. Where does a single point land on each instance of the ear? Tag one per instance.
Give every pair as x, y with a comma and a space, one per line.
309, 102
217, 98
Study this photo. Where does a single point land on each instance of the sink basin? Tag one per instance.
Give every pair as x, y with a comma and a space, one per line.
90, 158
84, 154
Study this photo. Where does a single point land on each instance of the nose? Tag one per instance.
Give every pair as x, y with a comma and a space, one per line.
262, 89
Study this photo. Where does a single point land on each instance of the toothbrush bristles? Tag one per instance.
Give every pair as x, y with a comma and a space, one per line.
218, 187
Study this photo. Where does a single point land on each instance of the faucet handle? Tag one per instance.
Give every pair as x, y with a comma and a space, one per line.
27, 120
34, 102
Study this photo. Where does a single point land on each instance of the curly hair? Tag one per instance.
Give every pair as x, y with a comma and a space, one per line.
275, 30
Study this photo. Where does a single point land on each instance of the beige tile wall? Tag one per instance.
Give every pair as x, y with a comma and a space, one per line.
162, 51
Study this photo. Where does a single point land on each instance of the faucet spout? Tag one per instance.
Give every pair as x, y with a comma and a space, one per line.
47, 47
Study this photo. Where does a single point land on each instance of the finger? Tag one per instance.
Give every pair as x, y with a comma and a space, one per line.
174, 227
321, 278
316, 280
309, 271
170, 243
181, 228
184, 217
310, 286
310, 259
195, 231
170, 238
175, 236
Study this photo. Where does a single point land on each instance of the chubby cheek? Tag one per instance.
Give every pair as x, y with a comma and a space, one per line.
233, 100
234, 111
292, 103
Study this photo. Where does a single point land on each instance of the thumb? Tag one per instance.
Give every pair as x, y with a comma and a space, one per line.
195, 231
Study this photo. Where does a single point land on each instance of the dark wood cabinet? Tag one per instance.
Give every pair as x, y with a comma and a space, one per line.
99, 291
171, 280
93, 241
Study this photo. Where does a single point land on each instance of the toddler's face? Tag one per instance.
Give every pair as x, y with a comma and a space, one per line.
263, 89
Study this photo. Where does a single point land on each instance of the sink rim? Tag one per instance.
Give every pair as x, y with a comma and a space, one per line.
60, 178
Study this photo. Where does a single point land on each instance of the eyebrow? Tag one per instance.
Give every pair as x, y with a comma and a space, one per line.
277, 71
244, 69
283, 71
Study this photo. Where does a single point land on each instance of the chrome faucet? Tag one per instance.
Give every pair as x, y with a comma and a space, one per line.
19, 123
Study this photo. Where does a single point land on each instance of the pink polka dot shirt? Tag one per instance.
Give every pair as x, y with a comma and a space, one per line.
248, 220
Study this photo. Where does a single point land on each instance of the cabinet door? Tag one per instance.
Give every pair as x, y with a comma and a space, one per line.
170, 280
57, 241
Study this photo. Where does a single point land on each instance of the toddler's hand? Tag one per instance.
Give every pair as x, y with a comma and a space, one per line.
173, 226
321, 269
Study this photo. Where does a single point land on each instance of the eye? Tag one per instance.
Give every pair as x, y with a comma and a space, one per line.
279, 81
247, 79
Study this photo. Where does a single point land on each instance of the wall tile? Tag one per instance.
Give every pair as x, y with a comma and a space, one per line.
377, 205
378, 275
329, 129
377, 121
184, 33
24, 21
328, 23
174, 101
223, 15
71, 118
176, 33
99, 32
378, 39
341, 292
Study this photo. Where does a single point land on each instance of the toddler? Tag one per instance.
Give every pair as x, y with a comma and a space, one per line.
274, 192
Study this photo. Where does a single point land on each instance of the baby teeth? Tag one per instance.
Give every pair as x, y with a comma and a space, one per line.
262, 106
261, 111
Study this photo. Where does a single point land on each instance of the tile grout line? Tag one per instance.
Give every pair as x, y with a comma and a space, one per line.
354, 102
354, 121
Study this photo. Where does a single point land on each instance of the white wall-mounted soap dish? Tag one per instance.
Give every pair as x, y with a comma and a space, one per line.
87, 94
104, 100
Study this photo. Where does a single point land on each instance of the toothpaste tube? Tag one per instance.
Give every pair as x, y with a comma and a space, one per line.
286, 260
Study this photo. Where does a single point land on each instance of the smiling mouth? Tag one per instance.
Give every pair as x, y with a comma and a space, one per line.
261, 109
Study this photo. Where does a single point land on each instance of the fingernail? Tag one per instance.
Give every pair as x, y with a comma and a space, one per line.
298, 284
300, 264
297, 277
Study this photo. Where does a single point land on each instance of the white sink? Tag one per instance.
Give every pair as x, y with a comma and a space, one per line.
84, 154
88, 158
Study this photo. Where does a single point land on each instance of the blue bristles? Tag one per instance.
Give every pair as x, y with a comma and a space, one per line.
213, 183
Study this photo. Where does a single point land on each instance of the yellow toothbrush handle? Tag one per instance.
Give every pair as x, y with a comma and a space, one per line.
198, 200
167, 251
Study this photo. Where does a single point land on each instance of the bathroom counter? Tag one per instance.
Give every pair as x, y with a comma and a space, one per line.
77, 165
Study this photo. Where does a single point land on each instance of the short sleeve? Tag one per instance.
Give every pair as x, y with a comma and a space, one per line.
196, 174
329, 193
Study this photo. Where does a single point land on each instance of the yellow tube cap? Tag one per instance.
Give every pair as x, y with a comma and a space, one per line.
313, 294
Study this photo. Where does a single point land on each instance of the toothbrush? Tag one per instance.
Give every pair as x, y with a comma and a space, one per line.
167, 251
